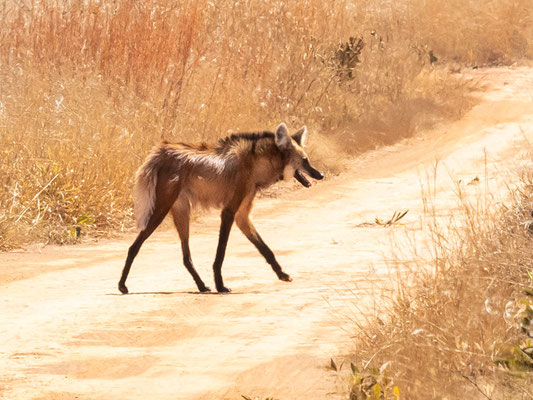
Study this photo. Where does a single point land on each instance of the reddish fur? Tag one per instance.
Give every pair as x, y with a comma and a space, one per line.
179, 176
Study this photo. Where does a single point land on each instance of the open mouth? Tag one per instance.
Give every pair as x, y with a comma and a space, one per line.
309, 170
301, 178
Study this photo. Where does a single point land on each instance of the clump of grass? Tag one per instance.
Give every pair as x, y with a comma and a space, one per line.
396, 217
86, 88
456, 329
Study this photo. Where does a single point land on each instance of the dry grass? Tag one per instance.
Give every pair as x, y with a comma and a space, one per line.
87, 87
453, 330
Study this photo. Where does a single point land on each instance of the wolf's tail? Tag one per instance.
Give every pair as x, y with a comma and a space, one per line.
144, 189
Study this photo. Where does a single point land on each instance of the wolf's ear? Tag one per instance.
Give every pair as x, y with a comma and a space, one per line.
283, 141
301, 136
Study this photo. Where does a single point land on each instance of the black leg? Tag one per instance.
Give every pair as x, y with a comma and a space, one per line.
181, 216
225, 227
154, 222
187, 261
164, 198
246, 226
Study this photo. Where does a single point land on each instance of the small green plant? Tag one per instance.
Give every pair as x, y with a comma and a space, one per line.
369, 383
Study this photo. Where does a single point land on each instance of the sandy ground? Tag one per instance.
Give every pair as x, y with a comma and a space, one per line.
66, 332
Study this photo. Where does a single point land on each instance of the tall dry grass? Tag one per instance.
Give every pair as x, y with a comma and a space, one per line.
87, 87
454, 327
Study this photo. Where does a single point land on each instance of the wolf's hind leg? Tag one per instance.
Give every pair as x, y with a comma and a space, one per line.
247, 227
181, 211
155, 220
164, 197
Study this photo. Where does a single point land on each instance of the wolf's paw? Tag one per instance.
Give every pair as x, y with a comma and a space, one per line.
204, 289
123, 289
223, 289
284, 277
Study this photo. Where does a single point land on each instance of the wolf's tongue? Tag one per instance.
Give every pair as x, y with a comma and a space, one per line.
300, 178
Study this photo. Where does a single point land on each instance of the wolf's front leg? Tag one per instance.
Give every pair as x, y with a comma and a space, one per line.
227, 218
246, 226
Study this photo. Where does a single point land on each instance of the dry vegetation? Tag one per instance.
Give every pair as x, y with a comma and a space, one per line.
461, 328
87, 87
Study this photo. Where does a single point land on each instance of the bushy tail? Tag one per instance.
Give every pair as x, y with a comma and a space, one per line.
144, 189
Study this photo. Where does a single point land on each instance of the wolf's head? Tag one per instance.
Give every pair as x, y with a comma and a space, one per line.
294, 156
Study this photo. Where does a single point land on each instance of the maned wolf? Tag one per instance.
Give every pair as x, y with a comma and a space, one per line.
176, 177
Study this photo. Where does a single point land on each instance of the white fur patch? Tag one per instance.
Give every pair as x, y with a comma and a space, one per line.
144, 189
288, 172
304, 137
301, 136
215, 163
144, 196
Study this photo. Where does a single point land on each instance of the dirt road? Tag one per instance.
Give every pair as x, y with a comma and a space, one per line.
66, 332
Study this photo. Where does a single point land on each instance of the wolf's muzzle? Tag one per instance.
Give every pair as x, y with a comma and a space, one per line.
309, 170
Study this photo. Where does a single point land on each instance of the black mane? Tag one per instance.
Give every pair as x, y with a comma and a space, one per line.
238, 137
